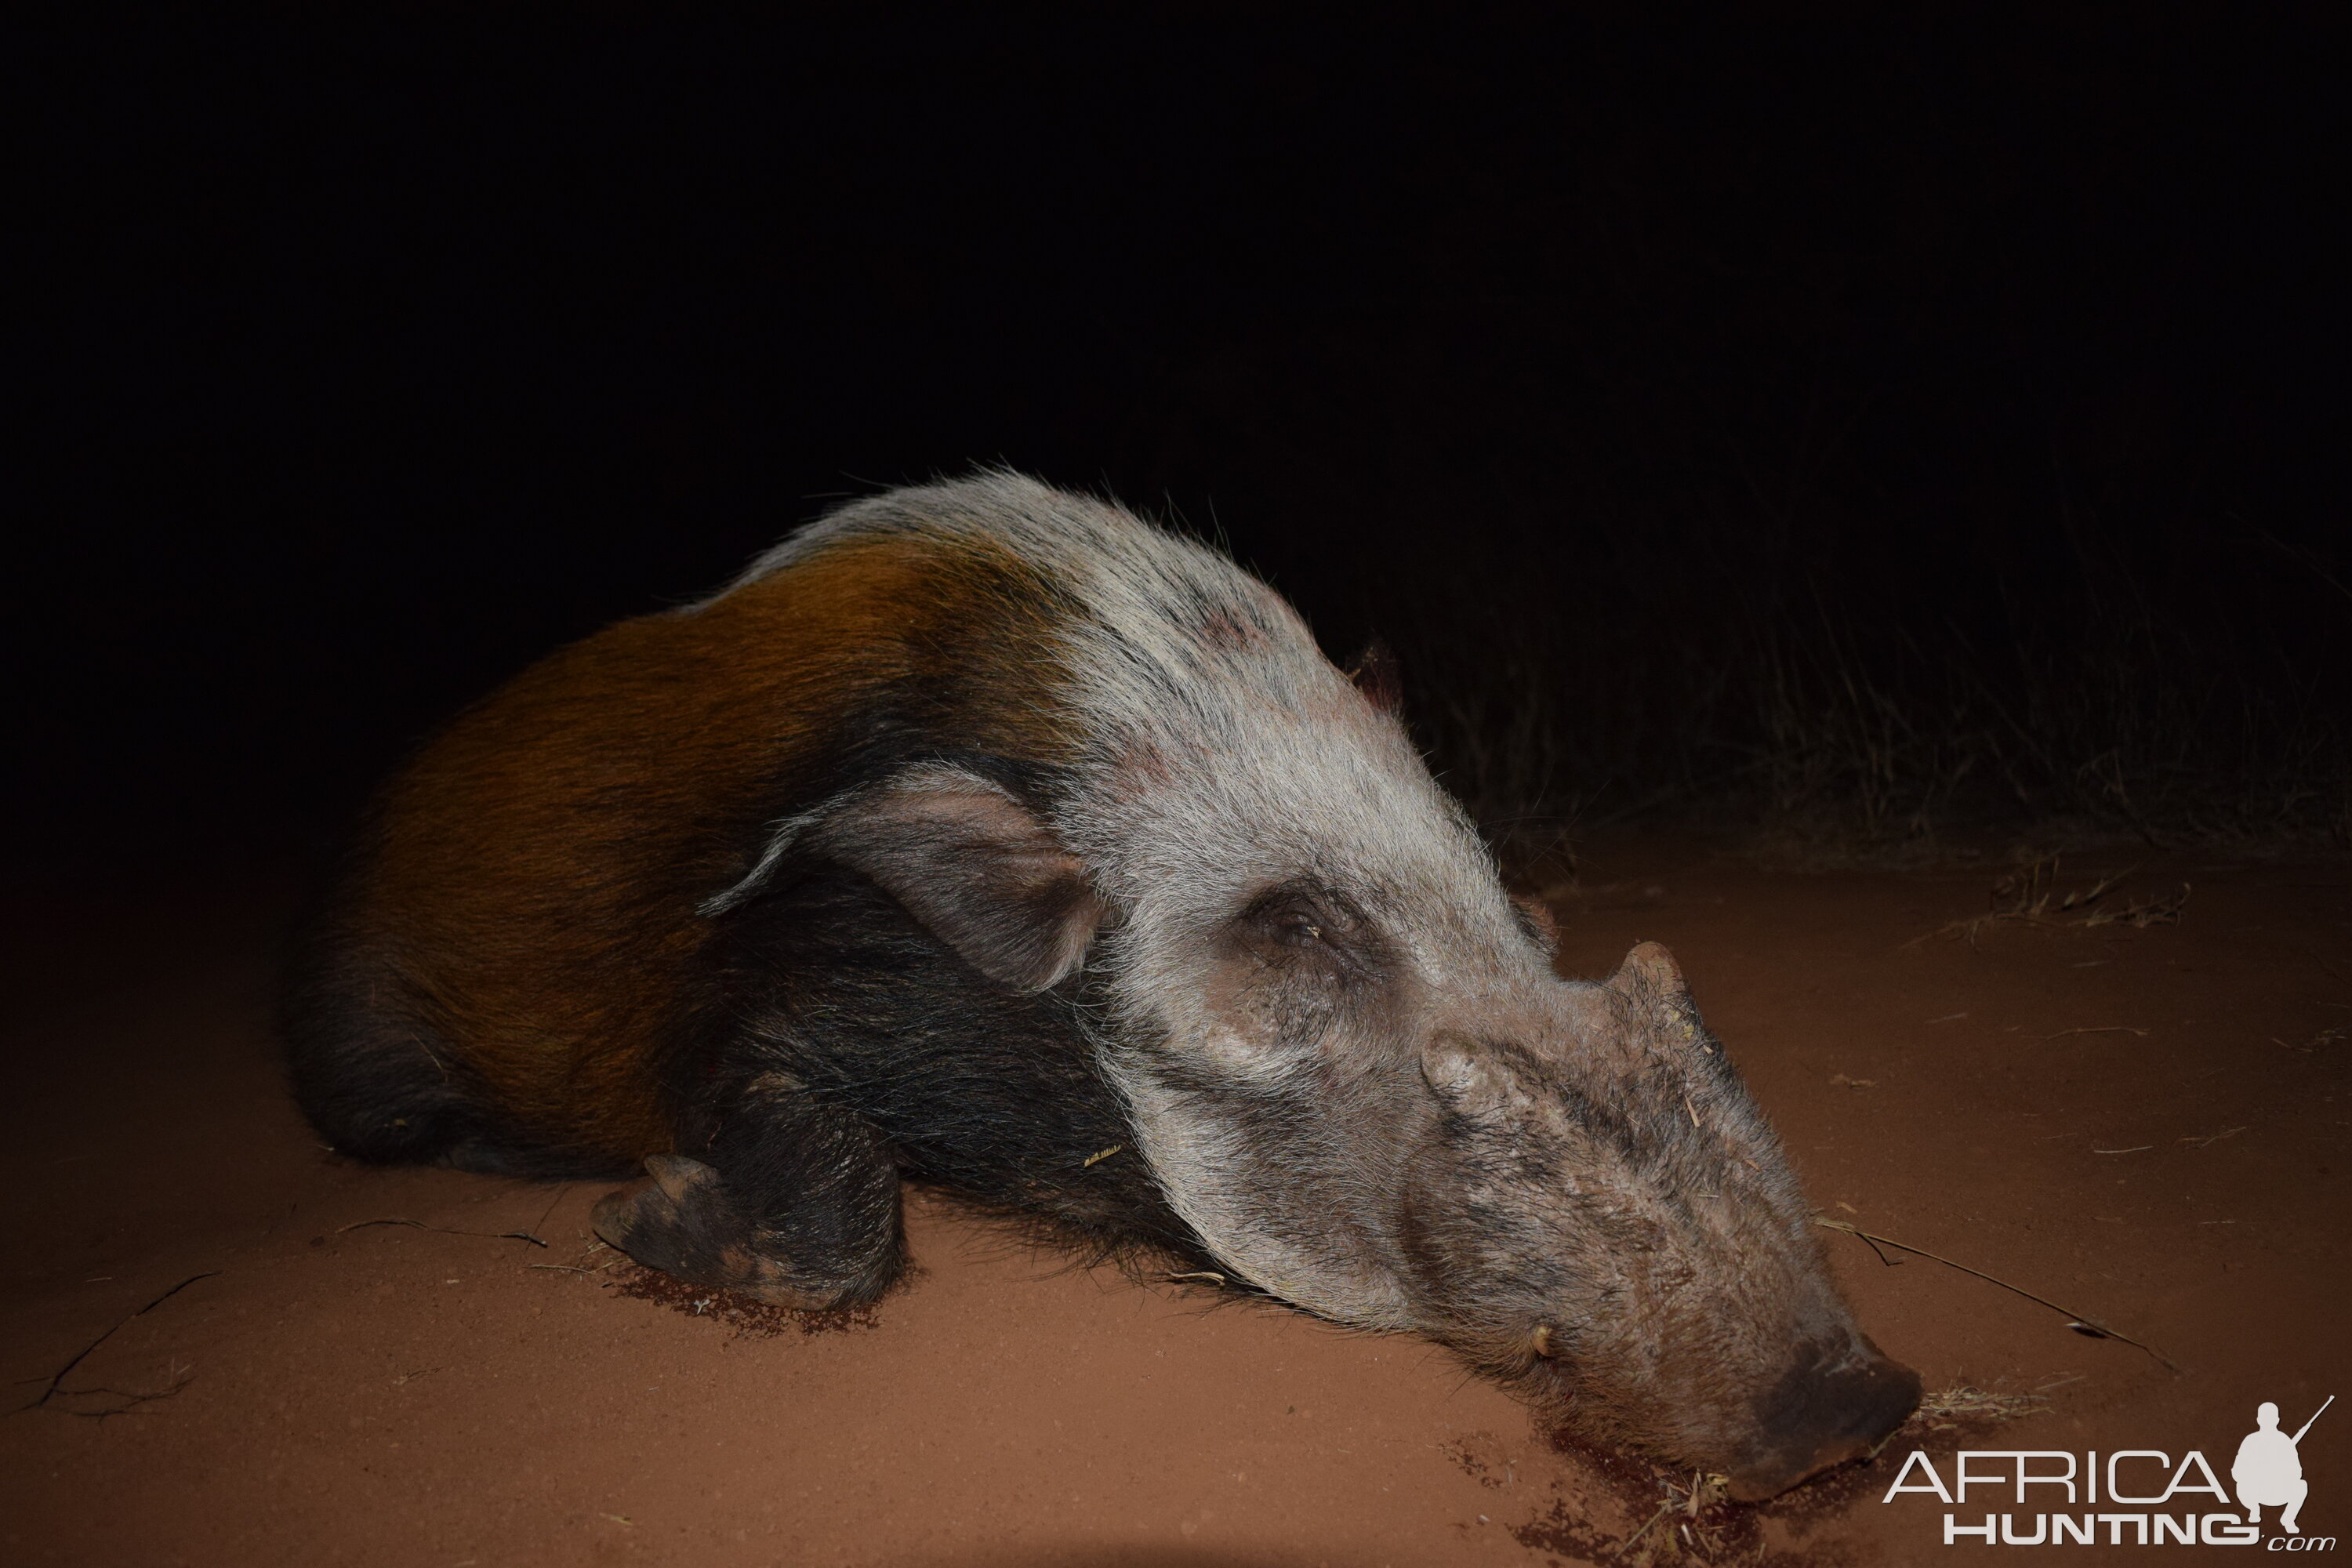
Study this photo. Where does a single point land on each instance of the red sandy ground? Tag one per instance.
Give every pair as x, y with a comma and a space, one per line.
391, 1395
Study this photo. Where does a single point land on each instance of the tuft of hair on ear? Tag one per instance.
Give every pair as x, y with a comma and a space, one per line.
1536, 916
1378, 675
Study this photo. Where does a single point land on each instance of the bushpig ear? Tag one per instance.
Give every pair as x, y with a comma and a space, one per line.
1651, 981
1649, 970
1377, 675
977, 869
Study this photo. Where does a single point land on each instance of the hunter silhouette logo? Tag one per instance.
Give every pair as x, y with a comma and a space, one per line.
2269, 1468
2136, 1496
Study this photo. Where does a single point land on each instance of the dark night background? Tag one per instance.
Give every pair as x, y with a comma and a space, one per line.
1854, 432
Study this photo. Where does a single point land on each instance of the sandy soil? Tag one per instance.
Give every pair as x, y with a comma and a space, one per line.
2146, 1126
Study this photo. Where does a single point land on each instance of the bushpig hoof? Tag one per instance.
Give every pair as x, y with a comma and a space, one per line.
685, 1224
1820, 1416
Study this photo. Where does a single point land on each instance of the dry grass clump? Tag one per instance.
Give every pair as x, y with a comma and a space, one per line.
2031, 896
1964, 1405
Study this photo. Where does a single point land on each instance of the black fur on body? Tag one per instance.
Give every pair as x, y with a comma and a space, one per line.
836, 999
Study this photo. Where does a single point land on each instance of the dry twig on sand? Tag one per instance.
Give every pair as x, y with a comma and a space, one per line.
2075, 1321
56, 1384
445, 1230
1689, 1499
1627, 1544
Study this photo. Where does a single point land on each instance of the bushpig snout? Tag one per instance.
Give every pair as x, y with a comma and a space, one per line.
1834, 1404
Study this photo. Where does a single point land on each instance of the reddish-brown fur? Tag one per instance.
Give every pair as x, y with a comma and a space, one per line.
534, 874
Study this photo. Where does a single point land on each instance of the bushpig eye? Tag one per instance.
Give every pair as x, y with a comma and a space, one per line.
1308, 928
1541, 1343
1291, 916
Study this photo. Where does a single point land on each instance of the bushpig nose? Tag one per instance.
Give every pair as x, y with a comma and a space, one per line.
1834, 1405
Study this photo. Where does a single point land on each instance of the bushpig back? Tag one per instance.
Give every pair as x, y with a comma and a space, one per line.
519, 947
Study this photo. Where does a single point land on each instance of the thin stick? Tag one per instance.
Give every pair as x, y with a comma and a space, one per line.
550, 1207
2101, 1030
131, 1402
50, 1393
1626, 1545
2093, 1323
1871, 1244
445, 1230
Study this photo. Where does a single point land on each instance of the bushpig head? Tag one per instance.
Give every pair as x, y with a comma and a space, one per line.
1597, 1213
1386, 1107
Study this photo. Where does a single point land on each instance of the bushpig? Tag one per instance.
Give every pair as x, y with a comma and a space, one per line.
984, 835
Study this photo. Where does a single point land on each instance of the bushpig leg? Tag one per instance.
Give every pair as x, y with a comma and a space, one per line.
798, 1206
